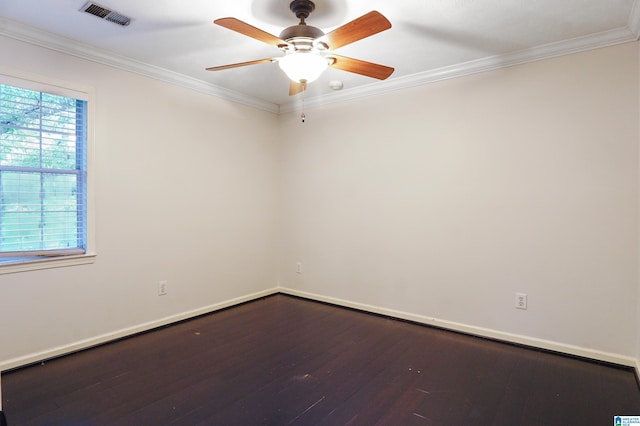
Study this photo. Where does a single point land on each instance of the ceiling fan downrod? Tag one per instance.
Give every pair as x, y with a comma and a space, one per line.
302, 9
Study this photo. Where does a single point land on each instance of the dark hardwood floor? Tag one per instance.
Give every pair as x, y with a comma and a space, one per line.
283, 360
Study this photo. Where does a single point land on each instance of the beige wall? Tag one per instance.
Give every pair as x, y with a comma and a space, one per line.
445, 200
184, 192
439, 201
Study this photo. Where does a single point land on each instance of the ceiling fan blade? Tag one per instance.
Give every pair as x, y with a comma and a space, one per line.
295, 88
240, 64
249, 30
362, 27
357, 66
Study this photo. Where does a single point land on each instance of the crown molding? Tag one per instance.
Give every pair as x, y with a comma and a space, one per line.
566, 47
21, 32
51, 41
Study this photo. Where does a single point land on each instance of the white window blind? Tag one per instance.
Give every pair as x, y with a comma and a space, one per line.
43, 200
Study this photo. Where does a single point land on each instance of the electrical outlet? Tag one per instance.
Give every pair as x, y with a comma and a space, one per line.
299, 268
521, 301
162, 288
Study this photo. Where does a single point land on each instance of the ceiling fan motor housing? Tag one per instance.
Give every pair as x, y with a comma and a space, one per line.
301, 36
301, 31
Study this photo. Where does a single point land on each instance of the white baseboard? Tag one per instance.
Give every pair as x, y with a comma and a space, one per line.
107, 337
449, 325
476, 331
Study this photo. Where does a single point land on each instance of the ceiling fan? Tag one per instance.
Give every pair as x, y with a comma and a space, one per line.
308, 50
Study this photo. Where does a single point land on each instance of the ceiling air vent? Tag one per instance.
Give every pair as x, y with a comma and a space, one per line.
105, 13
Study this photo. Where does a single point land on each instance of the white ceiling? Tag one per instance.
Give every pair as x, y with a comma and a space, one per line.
176, 40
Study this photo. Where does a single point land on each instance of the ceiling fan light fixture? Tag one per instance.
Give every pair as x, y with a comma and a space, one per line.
308, 51
303, 66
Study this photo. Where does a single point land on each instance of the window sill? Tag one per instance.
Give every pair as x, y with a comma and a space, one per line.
36, 263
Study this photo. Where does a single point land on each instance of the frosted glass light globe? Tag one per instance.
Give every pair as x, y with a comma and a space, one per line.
303, 66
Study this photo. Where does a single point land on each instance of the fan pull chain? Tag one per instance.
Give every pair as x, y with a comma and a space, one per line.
304, 89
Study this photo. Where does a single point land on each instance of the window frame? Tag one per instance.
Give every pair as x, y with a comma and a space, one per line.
41, 83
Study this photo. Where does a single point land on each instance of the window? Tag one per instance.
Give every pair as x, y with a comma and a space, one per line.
43, 174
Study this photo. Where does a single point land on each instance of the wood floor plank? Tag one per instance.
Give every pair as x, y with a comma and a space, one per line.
283, 360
